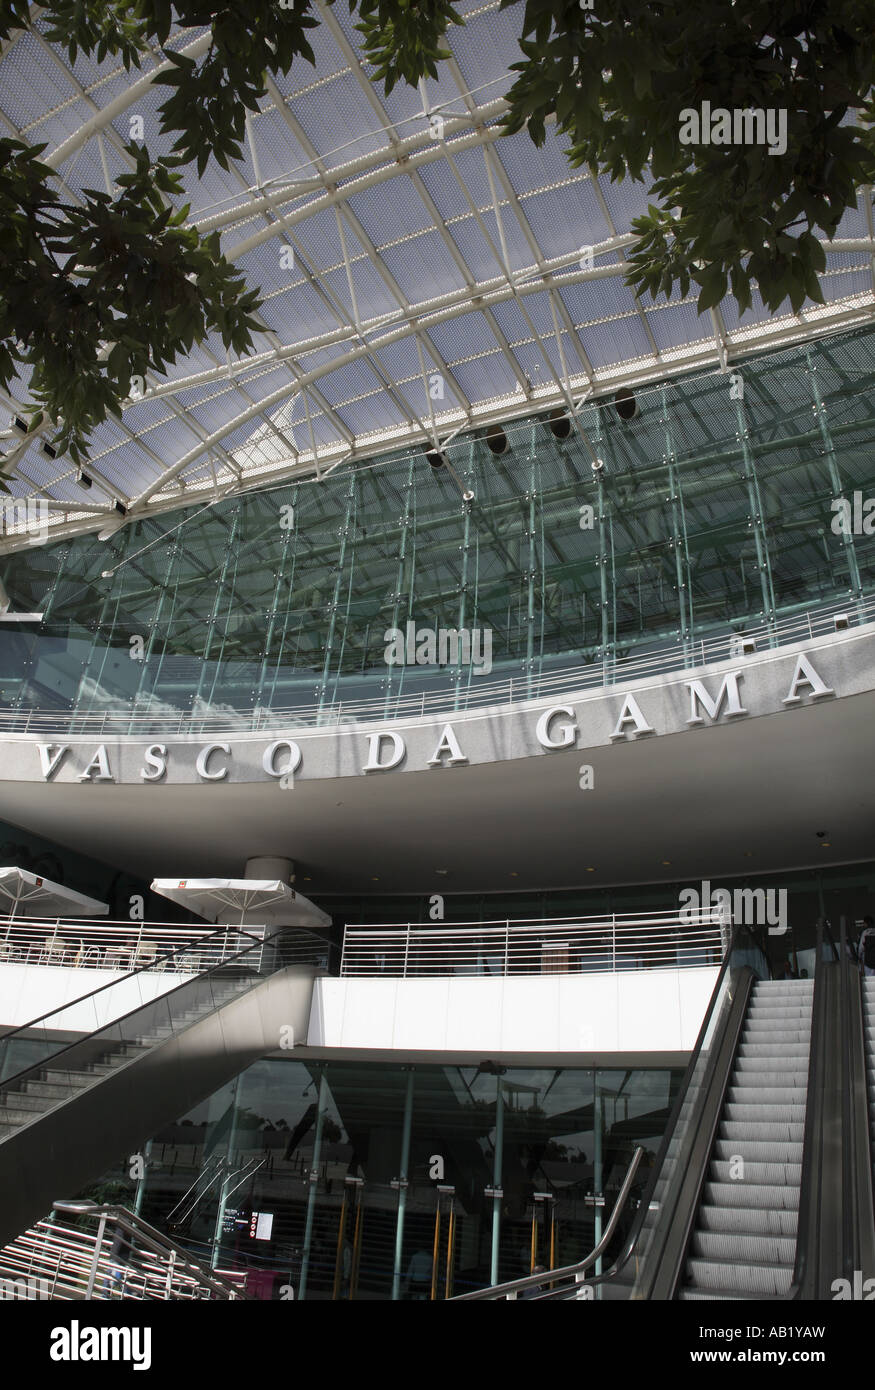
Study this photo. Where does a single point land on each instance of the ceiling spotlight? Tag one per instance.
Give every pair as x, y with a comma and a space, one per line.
83, 480
49, 449
598, 465
625, 404
19, 425
559, 424
122, 510
467, 495
107, 574
436, 458
496, 440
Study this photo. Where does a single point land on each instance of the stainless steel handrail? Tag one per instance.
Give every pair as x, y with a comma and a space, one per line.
609, 943
689, 655
576, 1271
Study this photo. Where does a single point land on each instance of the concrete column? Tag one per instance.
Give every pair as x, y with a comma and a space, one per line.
270, 868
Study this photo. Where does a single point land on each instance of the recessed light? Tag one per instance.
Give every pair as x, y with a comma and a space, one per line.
442, 871
590, 869
513, 874
826, 845
666, 863
375, 880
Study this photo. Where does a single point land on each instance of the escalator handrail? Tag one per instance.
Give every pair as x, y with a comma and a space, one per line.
529, 1281
51, 1057
810, 1183
858, 1209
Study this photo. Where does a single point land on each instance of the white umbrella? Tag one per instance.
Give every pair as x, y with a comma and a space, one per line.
238, 901
30, 895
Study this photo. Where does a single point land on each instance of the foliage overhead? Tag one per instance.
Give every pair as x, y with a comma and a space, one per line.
97, 292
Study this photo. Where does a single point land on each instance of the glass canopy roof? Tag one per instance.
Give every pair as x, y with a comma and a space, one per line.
422, 275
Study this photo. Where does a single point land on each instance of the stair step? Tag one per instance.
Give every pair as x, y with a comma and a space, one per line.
748, 1220
756, 1173
754, 1131
744, 1249
773, 1197
756, 1281
765, 1094
743, 1111
756, 1067
759, 1150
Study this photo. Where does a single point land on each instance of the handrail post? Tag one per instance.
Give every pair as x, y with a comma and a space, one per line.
506, 945
406, 952
613, 943
92, 1273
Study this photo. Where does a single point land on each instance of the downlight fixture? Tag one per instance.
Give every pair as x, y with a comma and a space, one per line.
625, 403
84, 480
496, 440
559, 424
598, 465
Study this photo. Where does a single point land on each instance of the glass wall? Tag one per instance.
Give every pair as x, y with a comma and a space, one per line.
358, 1180
712, 512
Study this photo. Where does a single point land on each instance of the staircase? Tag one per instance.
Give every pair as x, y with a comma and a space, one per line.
122, 1258
744, 1244
869, 1025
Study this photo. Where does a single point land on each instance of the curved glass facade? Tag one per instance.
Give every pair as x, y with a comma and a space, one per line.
711, 514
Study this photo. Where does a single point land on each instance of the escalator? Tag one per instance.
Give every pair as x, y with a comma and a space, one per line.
763, 1185
70, 1108
744, 1242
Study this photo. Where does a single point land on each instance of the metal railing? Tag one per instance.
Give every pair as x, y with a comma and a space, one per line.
566, 1281
551, 946
122, 1257
604, 670
129, 1007
104, 944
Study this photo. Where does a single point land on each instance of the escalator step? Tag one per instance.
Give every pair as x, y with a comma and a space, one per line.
747, 1194
757, 1174
741, 1131
766, 1094
759, 1150
753, 1280
749, 1220
744, 1249
743, 1110
759, 1071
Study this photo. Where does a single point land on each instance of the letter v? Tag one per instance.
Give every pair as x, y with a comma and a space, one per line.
47, 762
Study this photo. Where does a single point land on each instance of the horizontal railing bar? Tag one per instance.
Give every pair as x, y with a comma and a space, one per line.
599, 672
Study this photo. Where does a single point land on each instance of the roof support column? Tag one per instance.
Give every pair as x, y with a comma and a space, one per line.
834, 476
322, 688
761, 540
678, 541
404, 577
